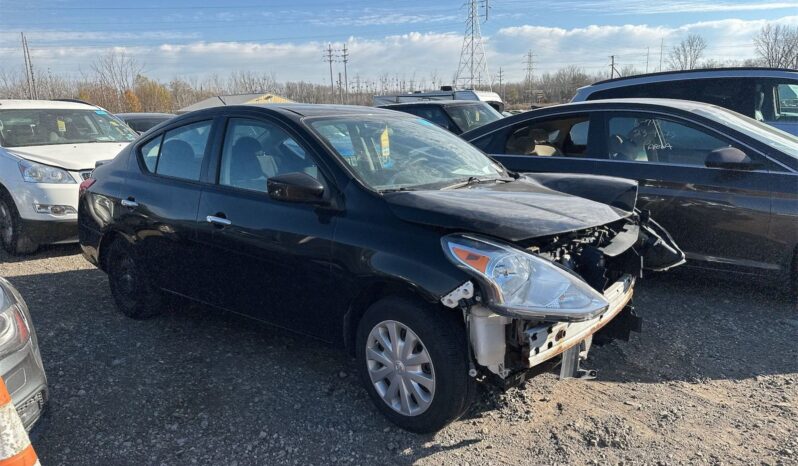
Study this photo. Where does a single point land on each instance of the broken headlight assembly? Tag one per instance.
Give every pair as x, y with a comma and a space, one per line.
521, 284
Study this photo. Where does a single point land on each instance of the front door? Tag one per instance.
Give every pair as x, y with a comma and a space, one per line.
716, 215
269, 259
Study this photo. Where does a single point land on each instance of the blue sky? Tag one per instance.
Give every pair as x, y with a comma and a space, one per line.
199, 38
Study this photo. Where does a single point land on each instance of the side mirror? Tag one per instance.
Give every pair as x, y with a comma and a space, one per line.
730, 158
295, 187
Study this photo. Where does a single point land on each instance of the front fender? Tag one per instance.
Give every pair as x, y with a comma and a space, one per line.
620, 193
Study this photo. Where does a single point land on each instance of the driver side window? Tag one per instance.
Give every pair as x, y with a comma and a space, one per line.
255, 151
650, 138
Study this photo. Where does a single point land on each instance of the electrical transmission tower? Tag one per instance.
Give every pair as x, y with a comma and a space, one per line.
529, 63
29, 77
473, 68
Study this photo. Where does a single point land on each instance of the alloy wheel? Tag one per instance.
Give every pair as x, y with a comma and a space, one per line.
400, 368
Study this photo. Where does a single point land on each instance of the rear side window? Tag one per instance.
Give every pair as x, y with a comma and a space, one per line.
560, 137
433, 114
179, 152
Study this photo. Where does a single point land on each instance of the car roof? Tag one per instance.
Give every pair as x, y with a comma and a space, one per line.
294, 111
442, 103
9, 104
145, 115
677, 75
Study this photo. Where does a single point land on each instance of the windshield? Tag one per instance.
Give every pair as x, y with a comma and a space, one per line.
472, 116
44, 127
764, 133
397, 153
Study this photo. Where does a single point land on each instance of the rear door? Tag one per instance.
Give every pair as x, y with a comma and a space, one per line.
270, 259
160, 201
557, 143
716, 215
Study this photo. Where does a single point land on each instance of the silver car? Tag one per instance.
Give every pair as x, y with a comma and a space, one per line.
20, 362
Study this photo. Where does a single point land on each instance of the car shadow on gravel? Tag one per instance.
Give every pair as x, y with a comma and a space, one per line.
199, 383
44, 252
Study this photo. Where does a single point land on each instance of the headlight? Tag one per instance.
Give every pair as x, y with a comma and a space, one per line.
523, 284
14, 330
37, 173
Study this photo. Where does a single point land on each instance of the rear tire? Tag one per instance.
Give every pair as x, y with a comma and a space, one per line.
12, 238
427, 395
133, 292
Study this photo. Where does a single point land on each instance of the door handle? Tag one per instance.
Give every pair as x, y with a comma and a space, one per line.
129, 202
221, 221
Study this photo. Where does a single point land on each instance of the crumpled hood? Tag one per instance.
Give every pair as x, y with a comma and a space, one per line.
69, 156
514, 211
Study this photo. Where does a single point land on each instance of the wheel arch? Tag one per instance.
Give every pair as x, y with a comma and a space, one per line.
374, 292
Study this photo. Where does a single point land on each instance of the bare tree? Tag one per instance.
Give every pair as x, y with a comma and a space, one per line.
777, 46
110, 76
688, 53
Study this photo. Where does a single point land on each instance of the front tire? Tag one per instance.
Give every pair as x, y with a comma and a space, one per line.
132, 290
12, 238
413, 362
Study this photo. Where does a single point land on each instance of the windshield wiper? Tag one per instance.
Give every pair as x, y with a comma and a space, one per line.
472, 180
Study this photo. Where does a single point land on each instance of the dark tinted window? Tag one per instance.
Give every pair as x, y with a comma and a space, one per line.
650, 138
255, 151
562, 136
432, 113
732, 93
144, 124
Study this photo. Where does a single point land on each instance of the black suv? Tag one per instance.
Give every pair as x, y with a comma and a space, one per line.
377, 231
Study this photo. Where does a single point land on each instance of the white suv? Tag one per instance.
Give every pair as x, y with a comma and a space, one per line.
46, 149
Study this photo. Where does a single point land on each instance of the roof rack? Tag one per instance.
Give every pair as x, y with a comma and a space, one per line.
75, 101
697, 70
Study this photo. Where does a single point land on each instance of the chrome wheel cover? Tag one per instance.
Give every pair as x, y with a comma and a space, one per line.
6, 224
400, 368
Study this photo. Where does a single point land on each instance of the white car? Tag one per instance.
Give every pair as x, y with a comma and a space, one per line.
46, 149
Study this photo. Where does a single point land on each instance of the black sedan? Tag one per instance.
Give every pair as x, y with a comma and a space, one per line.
725, 186
374, 230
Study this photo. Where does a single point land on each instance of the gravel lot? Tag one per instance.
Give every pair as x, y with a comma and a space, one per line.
713, 379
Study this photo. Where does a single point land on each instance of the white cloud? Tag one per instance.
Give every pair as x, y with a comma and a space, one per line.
646, 7
413, 55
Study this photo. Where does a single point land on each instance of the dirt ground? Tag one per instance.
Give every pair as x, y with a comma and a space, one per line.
712, 380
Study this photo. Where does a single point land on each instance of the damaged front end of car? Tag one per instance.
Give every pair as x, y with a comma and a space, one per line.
534, 300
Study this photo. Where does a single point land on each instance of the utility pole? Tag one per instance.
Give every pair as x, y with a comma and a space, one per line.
345, 59
473, 62
340, 89
529, 62
661, 46
29, 76
648, 50
612, 66
328, 57
501, 81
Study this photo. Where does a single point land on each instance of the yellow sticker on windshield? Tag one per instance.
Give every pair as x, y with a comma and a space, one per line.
385, 149
385, 143
61, 126
113, 123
